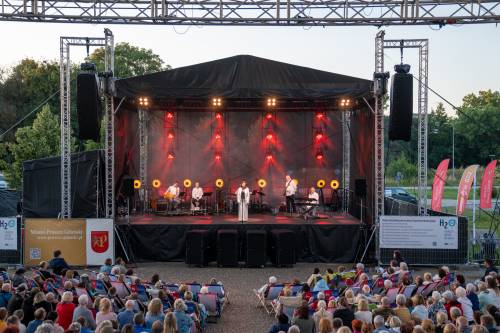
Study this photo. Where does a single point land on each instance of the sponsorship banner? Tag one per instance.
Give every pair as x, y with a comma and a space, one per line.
418, 232
82, 242
487, 185
8, 233
464, 188
100, 240
438, 185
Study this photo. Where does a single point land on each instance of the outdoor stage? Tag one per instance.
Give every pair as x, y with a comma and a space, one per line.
162, 238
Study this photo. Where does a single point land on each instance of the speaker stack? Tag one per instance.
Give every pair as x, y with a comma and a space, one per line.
401, 109
88, 106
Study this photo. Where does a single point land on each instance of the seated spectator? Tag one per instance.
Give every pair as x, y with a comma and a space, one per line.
139, 324
157, 327
311, 281
441, 319
320, 284
472, 296
155, 312
169, 324
489, 323
16, 301
427, 278
344, 329
5, 295
43, 268
82, 310
58, 263
407, 327
281, 325
325, 326
20, 315
184, 321
344, 312
65, 310
321, 313
294, 329
494, 290
395, 324
450, 301
349, 296
303, 321
105, 311
264, 290
455, 313
462, 325
401, 310
108, 265
18, 278
363, 313
485, 297
428, 326
460, 280
384, 309
419, 309
479, 329
127, 315
450, 328
3, 319
465, 303
39, 301
120, 263
39, 317
336, 324
28, 305
356, 326
379, 324
434, 305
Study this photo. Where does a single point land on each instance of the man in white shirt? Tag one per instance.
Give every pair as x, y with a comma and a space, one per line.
196, 195
314, 199
290, 189
172, 194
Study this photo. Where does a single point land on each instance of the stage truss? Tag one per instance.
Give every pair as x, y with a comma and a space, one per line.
65, 97
254, 12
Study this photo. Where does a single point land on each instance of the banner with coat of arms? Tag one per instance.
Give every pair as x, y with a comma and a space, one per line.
99, 240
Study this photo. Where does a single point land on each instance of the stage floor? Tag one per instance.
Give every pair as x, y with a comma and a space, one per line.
229, 219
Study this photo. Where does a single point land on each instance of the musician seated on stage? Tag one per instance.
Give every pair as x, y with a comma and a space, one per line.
172, 194
313, 196
196, 196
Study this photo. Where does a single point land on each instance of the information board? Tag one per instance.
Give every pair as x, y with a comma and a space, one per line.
8, 233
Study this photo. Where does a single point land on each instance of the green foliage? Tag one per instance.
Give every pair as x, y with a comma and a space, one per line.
130, 60
403, 165
36, 141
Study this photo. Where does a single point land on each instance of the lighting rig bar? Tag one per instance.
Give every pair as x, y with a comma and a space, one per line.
254, 12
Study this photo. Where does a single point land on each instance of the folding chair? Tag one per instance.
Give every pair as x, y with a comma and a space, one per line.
421, 288
211, 304
430, 288
272, 295
222, 295
194, 288
173, 288
296, 288
122, 290
391, 294
408, 290
99, 287
81, 291
141, 292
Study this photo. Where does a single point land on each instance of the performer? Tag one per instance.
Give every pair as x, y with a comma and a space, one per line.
290, 189
172, 194
196, 195
314, 199
243, 199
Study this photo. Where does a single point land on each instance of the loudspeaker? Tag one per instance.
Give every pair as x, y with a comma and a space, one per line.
256, 249
283, 247
128, 187
196, 247
88, 106
360, 187
227, 248
401, 107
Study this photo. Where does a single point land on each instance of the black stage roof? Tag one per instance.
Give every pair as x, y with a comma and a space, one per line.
243, 77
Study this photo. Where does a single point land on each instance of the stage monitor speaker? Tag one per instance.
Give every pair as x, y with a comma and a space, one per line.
283, 247
227, 248
128, 187
196, 247
256, 249
360, 188
88, 106
401, 107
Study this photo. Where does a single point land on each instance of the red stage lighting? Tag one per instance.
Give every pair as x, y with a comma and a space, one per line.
269, 157
319, 155
319, 136
269, 116
170, 155
170, 115
217, 136
170, 135
218, 115
269, 136
217, 157
320, 115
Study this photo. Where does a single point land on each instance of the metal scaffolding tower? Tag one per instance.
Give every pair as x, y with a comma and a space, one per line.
65, 97
255, 12
346, 158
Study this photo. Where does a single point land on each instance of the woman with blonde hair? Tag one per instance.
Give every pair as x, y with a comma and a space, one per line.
170, 323
394, 323
450, 328
363, 313
325, 326
441, 319
320, 314
105, 311
344, 329
428, 326
155, 312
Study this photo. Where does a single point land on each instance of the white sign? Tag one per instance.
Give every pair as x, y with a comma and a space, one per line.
8, 233
418, 232
100, 240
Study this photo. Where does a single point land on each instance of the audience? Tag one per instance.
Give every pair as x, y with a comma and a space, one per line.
303, 321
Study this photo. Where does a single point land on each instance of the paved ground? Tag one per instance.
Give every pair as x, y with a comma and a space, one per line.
242, 315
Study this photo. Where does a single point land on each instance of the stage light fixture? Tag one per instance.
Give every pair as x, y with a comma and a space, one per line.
137, 184
271, 102
218, 116
334, 184
319, 135
320, 115
320, 183
217, 156
170, 115
219, 183
187, 183
262, 183
170, 135
269, 156
143, 101
217, 136
156, 183
269, 136
345, 103
170, 155
319, 155
269, 116
216, 102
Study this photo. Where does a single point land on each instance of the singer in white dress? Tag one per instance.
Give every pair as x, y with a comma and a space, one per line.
243, 199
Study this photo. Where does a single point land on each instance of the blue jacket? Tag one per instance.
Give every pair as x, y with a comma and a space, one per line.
139, 329
126, 317
184, 322
474, 300
279, 327
4, 299
58, 264
32, 326
105, 269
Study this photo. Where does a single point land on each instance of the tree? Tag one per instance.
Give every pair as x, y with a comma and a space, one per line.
403, 165
39, 140
130, 60
440, 134
477, 128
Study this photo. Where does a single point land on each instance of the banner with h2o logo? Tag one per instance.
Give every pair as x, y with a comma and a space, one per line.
419, 232
8, 233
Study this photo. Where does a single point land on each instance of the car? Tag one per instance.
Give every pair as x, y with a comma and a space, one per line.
401, 194
3, 183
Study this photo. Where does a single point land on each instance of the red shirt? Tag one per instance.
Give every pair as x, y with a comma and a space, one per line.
65, 314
